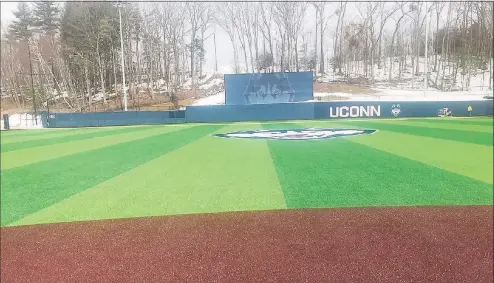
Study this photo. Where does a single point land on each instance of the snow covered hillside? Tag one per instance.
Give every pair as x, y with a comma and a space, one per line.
404, 84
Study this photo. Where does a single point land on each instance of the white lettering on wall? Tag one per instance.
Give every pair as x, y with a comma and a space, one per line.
355, 111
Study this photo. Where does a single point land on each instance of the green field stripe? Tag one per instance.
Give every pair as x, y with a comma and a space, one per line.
51, 134
471, 160
209, 175
31, 132
31, 188
438, 125
64, 139
484, 121
340, 173
24, 157
446, 134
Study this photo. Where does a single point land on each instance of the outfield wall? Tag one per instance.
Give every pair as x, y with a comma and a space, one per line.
331, 110
97, 119
270, 112
328, 110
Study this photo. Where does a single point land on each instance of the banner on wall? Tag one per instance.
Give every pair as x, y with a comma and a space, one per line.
265, 88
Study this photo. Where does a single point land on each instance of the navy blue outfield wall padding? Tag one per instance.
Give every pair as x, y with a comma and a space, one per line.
263, 88
258, 112
97, 119
272, 112
389, 109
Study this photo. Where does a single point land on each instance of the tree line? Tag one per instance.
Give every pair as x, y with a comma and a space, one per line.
71, 52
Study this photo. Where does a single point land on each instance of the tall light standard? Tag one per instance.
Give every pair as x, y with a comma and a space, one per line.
426, 67
124, 92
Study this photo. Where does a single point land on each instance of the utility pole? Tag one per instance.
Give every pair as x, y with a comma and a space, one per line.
124, 92
215, 58
426, 69
32, 81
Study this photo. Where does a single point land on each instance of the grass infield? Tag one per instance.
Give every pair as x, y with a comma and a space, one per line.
68, 175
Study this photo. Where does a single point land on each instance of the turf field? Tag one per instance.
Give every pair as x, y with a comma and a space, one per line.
65, 175
408, 201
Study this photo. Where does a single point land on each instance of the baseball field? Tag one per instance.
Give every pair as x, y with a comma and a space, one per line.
411, 200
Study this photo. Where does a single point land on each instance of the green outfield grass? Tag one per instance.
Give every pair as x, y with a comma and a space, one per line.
63, 175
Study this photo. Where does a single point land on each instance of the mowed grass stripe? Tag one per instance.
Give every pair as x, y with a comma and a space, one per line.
32, 132
24, 157
81, 136
446, 134
31, 188
433, 124
50, 134
480, 121
209, 175
340, 173
471, 160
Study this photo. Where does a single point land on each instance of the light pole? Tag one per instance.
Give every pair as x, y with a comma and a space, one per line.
124, 92
426, 67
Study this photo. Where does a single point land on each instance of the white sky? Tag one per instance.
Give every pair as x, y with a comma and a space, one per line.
6, 10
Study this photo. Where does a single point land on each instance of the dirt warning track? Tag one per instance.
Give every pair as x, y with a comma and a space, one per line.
401, 244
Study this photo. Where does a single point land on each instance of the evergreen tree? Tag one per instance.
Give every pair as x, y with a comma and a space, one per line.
21, 27
46, 16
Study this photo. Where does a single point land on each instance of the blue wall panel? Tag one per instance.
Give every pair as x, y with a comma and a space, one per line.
97, 119
388, 109
259, 88
259, 112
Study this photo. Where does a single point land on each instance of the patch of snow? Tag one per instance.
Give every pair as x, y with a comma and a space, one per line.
187, 83
215, 99
207, 76
98, 96
212, 83
409, 95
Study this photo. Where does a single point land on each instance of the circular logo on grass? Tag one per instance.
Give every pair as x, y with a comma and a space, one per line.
296, 134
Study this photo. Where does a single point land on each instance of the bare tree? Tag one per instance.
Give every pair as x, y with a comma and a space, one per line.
197, 14
225, 17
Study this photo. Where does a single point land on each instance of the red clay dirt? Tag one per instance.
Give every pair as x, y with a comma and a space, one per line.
401, 244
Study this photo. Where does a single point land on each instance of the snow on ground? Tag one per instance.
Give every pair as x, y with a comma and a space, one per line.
215, 99
207, 76
479, 79
382, 95
408, 95
429, 95
212, 83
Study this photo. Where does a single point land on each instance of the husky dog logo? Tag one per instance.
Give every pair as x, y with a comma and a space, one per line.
296, 134
396, 110
268, 88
